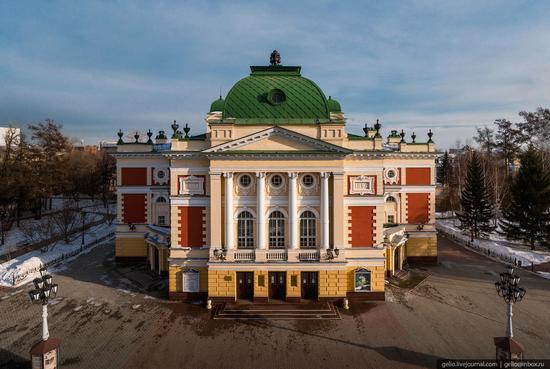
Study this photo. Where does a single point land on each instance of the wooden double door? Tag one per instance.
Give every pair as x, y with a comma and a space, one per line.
310, 285
277, 285
245, 285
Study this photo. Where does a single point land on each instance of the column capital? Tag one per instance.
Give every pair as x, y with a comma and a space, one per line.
324, 174
228, 174
292, 175
260, 174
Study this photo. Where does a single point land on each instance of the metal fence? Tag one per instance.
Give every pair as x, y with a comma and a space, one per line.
474, 246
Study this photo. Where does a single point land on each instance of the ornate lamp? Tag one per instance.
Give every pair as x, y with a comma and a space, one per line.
508, 288
46, 352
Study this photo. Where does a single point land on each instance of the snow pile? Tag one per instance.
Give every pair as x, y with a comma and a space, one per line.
25, 268
496, 246
545, 275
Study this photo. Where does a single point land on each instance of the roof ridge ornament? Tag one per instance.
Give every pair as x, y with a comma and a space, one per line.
275, 58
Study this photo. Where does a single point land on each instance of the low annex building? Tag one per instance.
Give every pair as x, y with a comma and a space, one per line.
276, 200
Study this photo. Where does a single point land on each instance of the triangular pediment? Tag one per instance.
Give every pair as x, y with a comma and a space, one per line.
277, 139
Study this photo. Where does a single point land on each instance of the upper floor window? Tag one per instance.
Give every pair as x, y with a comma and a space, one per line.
245, 230
161, 199
276, 230
161, 220
307, 229
308, 181
245, 180
390, 199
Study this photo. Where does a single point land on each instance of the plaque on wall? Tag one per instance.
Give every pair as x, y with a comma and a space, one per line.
191, 185
294, 281
362, 185
261, 280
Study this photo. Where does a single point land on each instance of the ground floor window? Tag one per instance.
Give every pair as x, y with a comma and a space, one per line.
362, 280
190, 281
162, 220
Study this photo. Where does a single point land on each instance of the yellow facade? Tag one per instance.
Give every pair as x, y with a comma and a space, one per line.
130, 247
226, 228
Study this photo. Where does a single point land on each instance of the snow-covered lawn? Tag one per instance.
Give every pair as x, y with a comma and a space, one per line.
15, 238
24, 268
544, 274
496, 245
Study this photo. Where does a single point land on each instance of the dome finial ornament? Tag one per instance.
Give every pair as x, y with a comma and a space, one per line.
275, 58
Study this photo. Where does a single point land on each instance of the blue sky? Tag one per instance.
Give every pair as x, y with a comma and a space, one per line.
99, 66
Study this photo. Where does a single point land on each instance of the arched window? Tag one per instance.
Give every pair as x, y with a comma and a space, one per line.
245, 230
276, 230
161, 199
390, 199
307, 229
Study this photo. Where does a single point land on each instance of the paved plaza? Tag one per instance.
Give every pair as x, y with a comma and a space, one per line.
110, 317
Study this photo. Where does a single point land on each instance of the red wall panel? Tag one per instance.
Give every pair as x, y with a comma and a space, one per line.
134, 208
191, 226
418, 207
362, 226
134, 176
418, 176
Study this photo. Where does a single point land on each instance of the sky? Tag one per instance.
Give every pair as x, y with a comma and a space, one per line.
99, 66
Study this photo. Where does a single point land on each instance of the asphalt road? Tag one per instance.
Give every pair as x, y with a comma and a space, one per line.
106, 318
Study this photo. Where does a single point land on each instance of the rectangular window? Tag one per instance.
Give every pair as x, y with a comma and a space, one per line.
276, 233
245, 233
391, 219
307, 232
161, 220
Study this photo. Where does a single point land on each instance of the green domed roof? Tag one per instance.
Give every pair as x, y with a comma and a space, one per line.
333, 105
276, 95
217, 105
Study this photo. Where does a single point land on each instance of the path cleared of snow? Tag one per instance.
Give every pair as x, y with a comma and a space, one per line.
25, 268
496, 246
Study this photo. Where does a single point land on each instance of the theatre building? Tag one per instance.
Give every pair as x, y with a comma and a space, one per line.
276, 200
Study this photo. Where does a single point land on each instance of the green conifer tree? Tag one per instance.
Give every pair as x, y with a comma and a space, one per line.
475, 201
527, 216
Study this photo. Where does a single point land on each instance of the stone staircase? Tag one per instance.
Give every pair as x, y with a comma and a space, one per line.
276, 311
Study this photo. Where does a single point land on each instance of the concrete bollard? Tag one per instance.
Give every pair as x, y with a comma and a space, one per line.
345, 304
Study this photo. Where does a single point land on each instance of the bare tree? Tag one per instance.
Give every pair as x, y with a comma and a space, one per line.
66, 221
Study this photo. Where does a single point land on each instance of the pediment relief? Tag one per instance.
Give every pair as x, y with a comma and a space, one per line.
277, 139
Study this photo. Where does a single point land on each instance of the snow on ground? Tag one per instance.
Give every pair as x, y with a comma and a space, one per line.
544, 274
498, 246
24, 268
15, 238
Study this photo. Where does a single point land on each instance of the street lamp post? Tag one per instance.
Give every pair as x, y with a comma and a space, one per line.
44, 352
508, 288
83, 217
2, 220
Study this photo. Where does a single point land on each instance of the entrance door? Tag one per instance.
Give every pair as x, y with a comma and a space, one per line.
396, 260
245, 285
310, 285
277, 285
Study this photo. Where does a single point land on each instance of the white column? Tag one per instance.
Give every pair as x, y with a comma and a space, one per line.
260, 209
228, 210
293, 211
324, 211
45, 332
